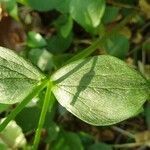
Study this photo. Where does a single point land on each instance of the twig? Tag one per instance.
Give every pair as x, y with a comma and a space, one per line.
128, 145
126, 133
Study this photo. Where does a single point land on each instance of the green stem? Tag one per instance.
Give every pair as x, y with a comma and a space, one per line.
19, 107
86, 52
42, 116
100, 41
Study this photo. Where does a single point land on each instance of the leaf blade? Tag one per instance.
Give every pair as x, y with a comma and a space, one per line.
18, 77
87, 13
92, 89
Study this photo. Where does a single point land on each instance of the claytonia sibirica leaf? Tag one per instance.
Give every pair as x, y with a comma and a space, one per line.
18, 78
101, 90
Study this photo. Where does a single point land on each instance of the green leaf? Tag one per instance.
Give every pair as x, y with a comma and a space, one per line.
58, 44
46, 5
117, 45
18, 77
63, 25
67, 27
110, 14
23, 2
62, 6
35, 40
11, 7
14, 12
101, 90
41, 5
100, 146
87, 13
86, 139
42, 58
53, 132
67, 141
28, 118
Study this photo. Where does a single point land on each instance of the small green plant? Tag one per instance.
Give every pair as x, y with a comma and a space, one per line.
100, 90
61, 35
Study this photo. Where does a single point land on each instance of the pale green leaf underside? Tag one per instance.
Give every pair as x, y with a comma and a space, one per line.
101, 90
17, 77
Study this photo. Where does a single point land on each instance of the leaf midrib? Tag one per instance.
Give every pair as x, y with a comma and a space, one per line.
17, 73
104, 118
21, 65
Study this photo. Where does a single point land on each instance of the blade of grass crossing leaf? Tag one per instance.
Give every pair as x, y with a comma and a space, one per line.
99, 42
86, 52
17, 77
13, 114
101, 90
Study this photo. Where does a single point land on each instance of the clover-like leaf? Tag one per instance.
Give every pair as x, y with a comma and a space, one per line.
101, 90
17, 77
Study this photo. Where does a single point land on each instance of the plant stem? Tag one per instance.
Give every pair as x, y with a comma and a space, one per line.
126, 133
19, 107
128, 145
100, 41
42, 116
86, 52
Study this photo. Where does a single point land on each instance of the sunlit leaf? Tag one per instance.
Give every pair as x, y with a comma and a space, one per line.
87, 13
35, 40
18, 77
101, 90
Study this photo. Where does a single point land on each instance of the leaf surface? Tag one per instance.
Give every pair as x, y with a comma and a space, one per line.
17, 77
117, 45
47, 5
35, 40
101, 90
87, 13
67, 141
